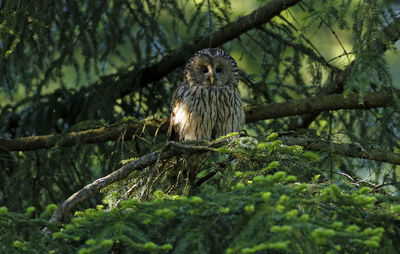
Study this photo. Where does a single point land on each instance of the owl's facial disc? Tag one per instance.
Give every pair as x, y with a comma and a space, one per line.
210, 71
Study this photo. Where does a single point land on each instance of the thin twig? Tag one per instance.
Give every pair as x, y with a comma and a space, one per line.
301, 47
304, 38
330, 29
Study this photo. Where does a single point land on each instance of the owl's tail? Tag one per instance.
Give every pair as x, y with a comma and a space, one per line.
172, 176
183, 175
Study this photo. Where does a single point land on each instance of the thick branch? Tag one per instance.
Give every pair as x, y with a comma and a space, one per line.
171, 149
155, 126
100, 135
317, 104
348, 150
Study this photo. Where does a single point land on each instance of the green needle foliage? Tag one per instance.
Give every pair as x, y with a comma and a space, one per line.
263, 210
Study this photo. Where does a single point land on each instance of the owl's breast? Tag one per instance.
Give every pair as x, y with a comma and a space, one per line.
207, 112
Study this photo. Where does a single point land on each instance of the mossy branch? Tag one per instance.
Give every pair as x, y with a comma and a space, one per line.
125, 131
153, 126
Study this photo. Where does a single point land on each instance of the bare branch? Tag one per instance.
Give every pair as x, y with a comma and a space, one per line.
300, 47
317, 104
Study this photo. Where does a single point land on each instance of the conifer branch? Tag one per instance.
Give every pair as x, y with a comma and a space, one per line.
217, 38
170, 150
347, 150
154, 126
306, 50
127, 131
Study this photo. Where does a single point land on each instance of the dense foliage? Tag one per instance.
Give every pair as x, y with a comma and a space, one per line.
73, 66
250, 211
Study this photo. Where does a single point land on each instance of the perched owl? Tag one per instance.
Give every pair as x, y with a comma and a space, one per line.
207, 104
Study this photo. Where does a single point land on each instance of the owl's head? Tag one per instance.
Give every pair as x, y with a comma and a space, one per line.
212, 67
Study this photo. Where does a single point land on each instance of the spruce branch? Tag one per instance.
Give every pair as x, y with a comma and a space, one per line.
217, 38
345, 53
154, 126
347, 150
318, 104
170, 150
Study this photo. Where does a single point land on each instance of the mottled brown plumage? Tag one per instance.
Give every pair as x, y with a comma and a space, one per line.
207, 104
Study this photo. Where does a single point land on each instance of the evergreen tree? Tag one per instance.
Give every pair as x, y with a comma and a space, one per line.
85, 88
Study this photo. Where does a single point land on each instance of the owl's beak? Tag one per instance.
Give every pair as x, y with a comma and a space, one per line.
212, 80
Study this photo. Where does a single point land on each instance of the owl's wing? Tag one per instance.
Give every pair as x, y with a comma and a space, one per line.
173, 131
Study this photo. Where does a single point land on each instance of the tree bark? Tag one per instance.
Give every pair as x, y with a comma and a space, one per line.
318, 104
126, 131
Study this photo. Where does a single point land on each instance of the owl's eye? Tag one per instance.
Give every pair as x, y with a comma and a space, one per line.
219, 69
204, 69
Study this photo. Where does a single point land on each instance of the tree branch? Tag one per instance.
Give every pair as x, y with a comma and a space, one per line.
318, 104
299, 47
153, 126
99, 135
348, 150
170, 150
174, 149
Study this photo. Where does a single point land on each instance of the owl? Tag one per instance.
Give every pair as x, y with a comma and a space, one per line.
207, 104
